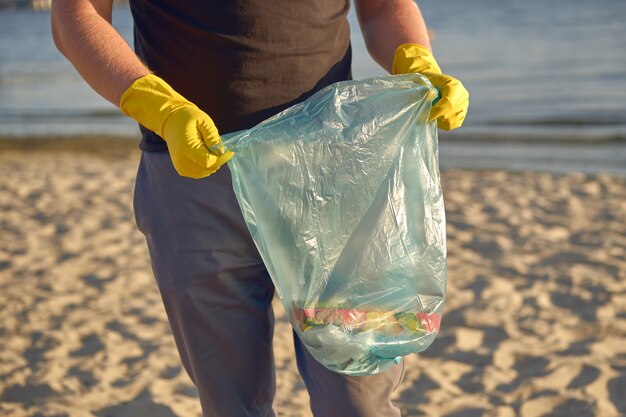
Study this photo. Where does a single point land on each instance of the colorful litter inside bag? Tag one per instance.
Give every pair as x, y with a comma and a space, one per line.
342, 196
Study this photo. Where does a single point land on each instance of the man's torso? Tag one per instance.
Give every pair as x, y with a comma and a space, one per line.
242, 61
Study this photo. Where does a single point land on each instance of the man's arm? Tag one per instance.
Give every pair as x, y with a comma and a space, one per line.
396, 37
82, 31
386, 24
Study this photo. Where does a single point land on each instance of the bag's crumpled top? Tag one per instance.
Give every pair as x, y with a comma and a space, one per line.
342, 196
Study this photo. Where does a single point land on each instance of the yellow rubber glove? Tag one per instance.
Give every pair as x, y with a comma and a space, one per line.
451, 108
188, 131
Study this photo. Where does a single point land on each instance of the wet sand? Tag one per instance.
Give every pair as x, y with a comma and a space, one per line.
534, 325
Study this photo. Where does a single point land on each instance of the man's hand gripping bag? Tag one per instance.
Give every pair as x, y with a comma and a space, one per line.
342, 196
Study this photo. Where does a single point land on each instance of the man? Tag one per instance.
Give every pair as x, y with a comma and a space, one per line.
229, 64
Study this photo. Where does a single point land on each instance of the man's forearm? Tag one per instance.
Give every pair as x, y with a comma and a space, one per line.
83, 33
386, 24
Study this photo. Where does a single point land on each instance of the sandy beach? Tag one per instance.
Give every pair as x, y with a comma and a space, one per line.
534, 325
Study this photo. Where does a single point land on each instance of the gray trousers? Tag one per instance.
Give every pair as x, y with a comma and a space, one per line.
217, 295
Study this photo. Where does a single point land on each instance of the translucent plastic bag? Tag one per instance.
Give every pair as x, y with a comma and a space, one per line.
342, 196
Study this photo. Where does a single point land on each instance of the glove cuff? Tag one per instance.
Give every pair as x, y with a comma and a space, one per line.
150, 101
411, 57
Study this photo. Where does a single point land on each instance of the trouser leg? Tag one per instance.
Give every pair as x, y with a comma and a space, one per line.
215, 288
217, 295
336, 395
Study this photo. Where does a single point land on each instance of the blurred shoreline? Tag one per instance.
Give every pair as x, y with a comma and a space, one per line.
103, 146
456, 151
